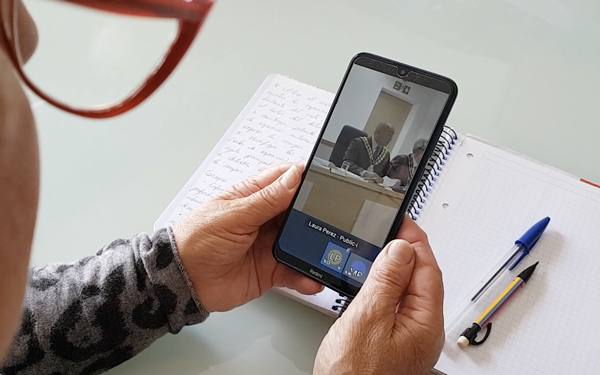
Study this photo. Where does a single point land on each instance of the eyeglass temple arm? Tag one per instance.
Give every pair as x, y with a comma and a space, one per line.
188, 10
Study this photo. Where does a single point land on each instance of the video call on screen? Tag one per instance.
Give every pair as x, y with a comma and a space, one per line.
363, 165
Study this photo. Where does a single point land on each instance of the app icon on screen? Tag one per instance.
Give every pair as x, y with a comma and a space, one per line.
335, 257
357, 268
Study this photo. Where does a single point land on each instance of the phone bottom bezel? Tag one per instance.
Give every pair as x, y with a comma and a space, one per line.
328, 280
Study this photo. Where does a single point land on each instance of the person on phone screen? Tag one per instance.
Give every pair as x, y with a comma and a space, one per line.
94, 313
400, 171
404, 167
415, 157
369, 156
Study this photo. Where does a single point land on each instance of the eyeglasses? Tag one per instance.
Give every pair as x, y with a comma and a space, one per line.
188, 14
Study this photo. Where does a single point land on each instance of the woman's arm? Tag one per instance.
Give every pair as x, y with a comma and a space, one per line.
89, 316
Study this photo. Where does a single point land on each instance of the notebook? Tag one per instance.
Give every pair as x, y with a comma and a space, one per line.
474, 201
486, 197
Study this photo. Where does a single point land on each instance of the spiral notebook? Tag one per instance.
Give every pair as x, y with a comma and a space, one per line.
474, 201
479, 200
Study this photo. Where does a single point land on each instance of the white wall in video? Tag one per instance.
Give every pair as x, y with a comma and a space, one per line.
361, 95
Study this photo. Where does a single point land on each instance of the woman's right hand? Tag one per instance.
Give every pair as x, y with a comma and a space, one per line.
395, 325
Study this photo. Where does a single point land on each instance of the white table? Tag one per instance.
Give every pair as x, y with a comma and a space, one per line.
528, 79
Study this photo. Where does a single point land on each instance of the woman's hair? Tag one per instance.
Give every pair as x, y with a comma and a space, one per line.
419, 145
396, 165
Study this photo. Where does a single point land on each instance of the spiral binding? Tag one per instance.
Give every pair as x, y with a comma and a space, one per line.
341, 304
435, 164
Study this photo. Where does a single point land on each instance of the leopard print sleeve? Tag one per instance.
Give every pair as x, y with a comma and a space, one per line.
89, 316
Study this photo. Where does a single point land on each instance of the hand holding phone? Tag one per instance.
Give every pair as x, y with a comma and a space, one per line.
386, 116
225, 244
409, 297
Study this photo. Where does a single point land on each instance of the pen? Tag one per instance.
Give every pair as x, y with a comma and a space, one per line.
468, 336
522, 246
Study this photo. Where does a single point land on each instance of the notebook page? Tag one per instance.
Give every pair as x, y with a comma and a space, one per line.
280, 124
493, 196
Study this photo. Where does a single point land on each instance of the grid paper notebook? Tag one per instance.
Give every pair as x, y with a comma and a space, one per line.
485, 199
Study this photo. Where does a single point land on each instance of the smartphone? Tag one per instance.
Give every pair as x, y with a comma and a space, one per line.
381, 130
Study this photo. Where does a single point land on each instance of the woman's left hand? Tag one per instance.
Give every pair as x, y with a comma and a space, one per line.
226, 244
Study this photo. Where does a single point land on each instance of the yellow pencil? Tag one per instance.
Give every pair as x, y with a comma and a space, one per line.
468, 336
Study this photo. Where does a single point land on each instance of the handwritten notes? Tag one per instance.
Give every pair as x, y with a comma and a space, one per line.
280, 124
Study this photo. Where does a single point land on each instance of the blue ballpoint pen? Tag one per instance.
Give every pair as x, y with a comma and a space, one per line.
522, 246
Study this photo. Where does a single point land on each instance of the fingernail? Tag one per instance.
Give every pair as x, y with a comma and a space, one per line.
291, 177
400, 251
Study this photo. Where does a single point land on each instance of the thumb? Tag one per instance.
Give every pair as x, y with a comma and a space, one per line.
274, 198
389, 277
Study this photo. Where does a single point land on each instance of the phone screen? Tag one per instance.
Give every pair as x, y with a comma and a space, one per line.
368, 154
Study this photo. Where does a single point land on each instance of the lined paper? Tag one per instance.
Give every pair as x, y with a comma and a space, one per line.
280, 124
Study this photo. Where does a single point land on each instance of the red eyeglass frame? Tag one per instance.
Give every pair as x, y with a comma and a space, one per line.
190, 13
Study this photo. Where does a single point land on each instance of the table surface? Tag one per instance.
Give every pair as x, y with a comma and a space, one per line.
356, 180
528, 79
